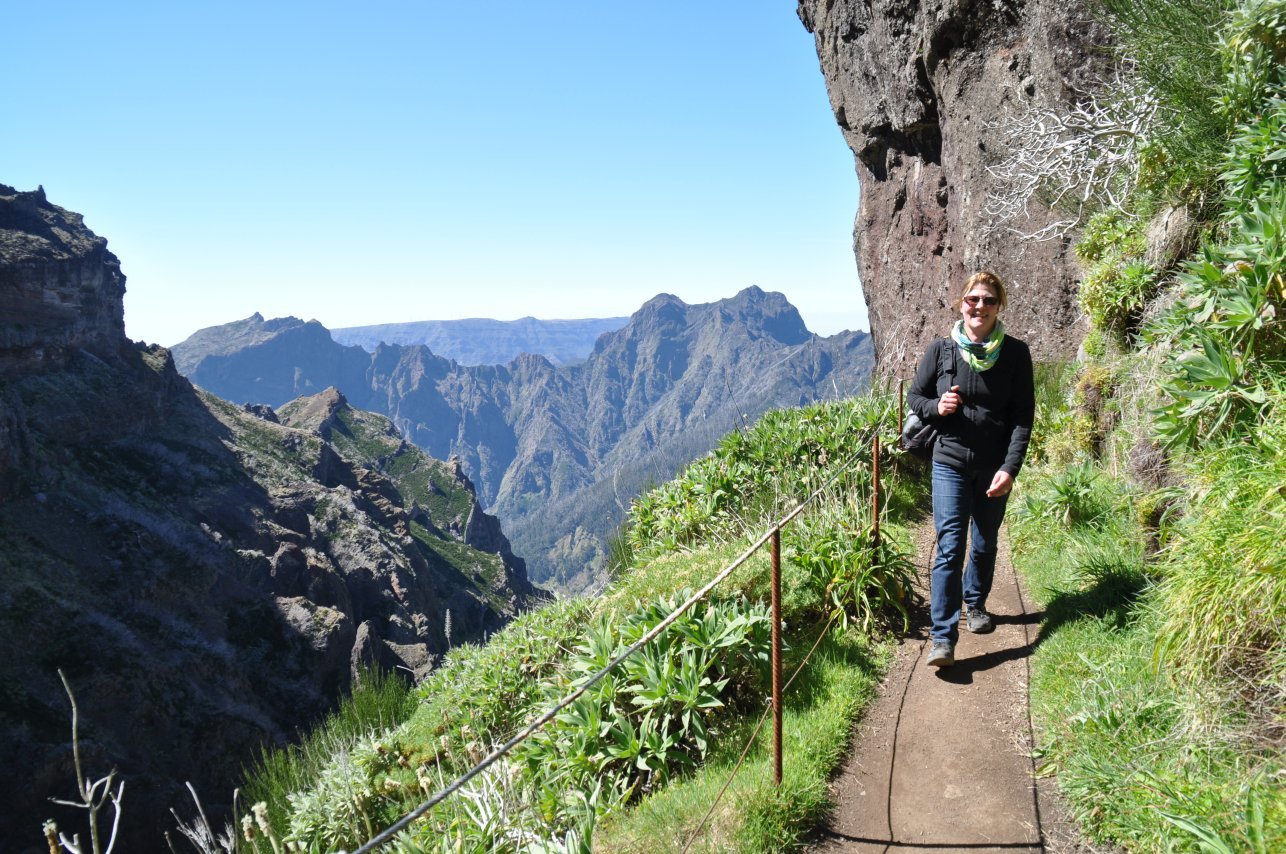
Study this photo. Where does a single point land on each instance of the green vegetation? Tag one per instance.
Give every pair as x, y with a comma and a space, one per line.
1131, 684
1224, 333
753, 473
1168, 43
1117, 282
275, 454
1225, 548
754, 815
379, 701
1154, 502
664, 731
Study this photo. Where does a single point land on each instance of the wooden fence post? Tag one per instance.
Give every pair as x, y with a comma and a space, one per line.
875, 493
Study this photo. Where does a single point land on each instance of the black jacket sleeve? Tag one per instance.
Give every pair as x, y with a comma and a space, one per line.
1022, 412
922, 396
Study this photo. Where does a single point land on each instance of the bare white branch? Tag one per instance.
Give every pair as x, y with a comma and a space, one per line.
93, 795
1076, 159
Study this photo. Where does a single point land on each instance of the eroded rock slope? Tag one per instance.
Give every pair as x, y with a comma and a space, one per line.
558, 451
208, 576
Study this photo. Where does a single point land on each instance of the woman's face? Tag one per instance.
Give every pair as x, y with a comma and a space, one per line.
979, 317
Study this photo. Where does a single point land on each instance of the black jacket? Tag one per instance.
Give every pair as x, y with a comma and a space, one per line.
992, 428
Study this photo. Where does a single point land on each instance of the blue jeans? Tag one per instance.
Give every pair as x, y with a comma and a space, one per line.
960, 498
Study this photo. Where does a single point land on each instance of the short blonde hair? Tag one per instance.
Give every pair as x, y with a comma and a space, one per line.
987, 279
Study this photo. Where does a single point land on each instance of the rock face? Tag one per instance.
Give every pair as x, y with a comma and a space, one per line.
914, 86
61, 291
209, 577
557, 452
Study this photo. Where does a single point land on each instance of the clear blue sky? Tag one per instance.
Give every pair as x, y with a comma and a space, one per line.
395, 161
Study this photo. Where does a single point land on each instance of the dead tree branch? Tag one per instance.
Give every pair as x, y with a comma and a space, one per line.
93, 796
1075, 160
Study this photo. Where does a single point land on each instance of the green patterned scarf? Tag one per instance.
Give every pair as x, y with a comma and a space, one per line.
981, 356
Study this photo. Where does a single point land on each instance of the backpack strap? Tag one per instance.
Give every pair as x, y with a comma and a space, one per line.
951, 347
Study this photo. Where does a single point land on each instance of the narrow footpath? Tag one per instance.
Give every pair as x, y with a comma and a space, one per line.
942, 760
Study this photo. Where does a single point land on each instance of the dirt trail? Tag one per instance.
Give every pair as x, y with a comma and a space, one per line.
942, 760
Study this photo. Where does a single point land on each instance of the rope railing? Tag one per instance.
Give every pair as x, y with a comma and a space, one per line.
773, 535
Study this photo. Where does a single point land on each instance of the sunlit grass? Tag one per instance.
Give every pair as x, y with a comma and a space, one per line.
377, 703
1225, 553
754, 815
1144, 756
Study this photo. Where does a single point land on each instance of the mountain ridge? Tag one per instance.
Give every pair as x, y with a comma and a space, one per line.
534, 435
484, 341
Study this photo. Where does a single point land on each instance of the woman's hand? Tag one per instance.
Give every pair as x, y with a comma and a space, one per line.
950, 402
1000, 484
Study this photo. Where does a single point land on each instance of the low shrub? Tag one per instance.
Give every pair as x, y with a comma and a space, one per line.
852, 578
755, 473
651, 719
1227, 341
1071, 496
1118, 282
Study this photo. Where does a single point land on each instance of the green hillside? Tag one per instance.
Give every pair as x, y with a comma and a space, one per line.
649, 746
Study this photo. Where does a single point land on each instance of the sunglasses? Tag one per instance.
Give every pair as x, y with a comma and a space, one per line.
988, 301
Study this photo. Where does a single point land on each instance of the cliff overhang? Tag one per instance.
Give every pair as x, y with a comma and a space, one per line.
917, 89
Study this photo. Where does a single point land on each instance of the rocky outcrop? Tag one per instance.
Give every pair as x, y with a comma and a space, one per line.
61, 291
915, 88
558, 451
208, 576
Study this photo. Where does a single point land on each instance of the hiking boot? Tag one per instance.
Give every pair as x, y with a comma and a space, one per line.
977, 620
942, 654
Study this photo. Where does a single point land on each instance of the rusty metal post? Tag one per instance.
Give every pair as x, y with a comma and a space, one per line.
901, 398
776, 655
875, 492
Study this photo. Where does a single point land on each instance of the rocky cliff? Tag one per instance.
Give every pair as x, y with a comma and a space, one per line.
915, 88
61, 291
557, 452
208, 576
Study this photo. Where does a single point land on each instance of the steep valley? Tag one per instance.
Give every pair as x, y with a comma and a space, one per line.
209, 577
557, 452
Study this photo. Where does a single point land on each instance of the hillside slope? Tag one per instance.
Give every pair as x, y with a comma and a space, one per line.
557, 452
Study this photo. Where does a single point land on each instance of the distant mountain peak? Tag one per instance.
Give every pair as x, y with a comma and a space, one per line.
662, 299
